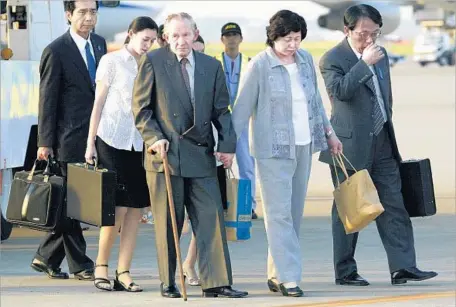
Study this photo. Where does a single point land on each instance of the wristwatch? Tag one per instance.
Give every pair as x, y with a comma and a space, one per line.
329, 133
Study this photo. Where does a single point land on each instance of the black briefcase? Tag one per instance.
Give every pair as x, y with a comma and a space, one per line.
91, 194
37, 198
418, 187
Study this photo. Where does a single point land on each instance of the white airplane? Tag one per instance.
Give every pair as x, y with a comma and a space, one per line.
115, 16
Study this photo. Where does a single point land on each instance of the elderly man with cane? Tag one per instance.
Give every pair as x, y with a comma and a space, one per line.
177, 95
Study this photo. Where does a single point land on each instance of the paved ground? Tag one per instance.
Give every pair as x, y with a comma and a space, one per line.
424, 114
435, 245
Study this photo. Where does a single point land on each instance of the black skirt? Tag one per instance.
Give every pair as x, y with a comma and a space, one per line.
132, 190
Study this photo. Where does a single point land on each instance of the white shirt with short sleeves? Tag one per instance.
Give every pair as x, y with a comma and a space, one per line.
118, 71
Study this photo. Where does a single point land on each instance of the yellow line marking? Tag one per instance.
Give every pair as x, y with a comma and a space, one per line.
386, 299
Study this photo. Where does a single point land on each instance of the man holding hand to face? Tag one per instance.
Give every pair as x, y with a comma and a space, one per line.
357, 78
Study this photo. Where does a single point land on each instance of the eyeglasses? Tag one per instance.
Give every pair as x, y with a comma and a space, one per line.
85, 12
366, 35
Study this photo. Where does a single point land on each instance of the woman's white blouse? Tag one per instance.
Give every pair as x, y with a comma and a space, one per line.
118, 71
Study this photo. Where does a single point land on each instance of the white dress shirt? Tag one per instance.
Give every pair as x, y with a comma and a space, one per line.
190, 66
299, 107
118, 70
376, 84
81, 44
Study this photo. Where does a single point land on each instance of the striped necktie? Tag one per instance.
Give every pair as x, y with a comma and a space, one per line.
377, 114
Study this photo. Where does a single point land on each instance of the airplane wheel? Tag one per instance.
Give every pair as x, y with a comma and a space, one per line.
422, 64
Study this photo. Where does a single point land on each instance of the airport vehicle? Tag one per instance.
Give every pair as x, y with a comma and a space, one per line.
434, 46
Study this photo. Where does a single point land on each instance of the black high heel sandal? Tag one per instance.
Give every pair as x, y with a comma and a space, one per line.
120, 286
98, 281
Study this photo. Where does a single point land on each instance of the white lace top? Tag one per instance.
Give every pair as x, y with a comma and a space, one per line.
118, 70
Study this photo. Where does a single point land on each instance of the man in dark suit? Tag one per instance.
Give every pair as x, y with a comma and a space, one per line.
177, 94
67, 91
357, 77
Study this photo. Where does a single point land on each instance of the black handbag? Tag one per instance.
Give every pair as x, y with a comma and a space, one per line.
37, 198
418, 187
91, 194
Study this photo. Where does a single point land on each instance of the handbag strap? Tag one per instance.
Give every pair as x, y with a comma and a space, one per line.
47, 171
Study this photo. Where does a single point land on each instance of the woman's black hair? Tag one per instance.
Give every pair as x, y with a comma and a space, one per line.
354, 13
139, 24
282, 23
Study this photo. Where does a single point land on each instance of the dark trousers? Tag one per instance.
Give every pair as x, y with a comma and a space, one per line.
67, 241
204, 207
394, 225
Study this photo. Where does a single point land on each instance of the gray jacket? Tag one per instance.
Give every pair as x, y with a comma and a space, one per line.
352, 100
163, 110
265, 98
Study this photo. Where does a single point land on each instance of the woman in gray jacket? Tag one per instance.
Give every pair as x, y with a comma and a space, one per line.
280, 97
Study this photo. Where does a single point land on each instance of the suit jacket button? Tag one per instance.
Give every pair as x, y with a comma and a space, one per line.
175, 114
199, 144
205, 123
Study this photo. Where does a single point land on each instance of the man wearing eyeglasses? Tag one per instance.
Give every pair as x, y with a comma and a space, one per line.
357, 78
234, 64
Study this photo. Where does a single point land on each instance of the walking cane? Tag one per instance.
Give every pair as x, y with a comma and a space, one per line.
172, 212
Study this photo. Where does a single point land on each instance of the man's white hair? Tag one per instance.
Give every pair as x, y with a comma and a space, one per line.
181, 16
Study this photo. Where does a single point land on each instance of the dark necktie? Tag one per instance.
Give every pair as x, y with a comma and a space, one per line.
377, 111
183, 63
232, 67
91, 66
377, 114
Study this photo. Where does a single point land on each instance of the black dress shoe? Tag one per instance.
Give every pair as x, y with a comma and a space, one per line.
353, 279
50, 272
273, 287
224, 292
411, 274
169, 291
254, 215
86, 275
293, 292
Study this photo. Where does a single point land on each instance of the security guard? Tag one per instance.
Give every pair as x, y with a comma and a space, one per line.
234, 64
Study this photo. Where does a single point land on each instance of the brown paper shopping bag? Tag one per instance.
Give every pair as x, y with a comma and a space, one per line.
356, 198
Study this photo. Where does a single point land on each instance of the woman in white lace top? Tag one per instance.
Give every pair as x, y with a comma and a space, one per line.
116, 144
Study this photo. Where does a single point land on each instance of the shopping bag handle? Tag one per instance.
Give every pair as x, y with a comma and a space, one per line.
341, 164
230, 173
342, 154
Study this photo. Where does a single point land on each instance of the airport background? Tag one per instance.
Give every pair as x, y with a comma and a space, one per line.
424, 117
